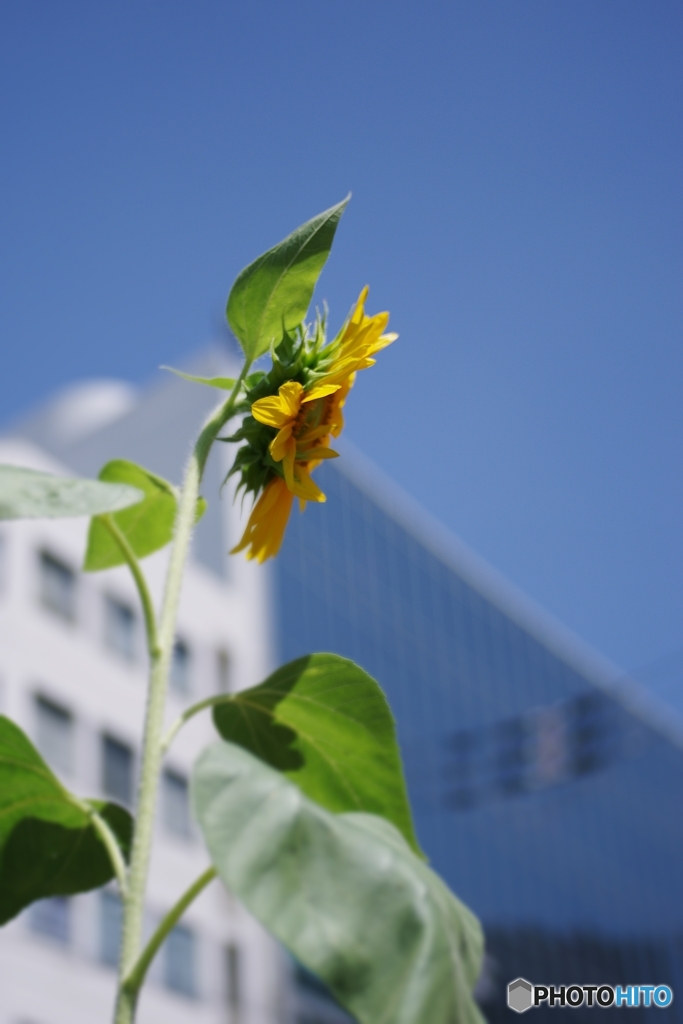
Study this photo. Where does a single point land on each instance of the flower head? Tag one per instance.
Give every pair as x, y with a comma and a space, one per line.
299, 417
295, 410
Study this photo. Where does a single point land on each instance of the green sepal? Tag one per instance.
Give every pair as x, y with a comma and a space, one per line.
325, 723
48, 844
147, 526
200, 510
272, 294
253, 460
28, 494
344, 892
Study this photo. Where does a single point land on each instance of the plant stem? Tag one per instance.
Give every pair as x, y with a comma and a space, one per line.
113, 849
135, 979
156, 700
140, 582
189, 713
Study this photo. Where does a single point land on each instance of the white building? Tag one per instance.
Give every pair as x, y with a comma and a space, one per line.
73, 676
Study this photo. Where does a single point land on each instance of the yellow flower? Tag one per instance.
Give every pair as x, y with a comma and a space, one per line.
305, 420
300, 420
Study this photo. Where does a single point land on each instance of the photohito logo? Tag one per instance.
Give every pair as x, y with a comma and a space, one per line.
522, 995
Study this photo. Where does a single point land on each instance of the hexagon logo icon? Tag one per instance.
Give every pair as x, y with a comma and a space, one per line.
520, 995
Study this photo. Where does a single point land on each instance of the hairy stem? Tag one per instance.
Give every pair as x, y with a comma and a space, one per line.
133, 982
113, 849
156, 700
140, 583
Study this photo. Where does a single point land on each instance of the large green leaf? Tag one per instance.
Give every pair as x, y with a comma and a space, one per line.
147, 526
345, 893
48, 845
274, 292
27, 494
326, 724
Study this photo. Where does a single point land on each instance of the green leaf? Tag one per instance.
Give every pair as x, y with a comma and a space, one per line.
27, 494
344, 893
274, 292
224, 383
326, 724
48, 845
147, 526
200, 510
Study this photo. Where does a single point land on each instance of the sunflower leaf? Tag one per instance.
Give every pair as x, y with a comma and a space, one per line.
274, 292
27, 494
48, 845
147, 527
345, 893
326, 724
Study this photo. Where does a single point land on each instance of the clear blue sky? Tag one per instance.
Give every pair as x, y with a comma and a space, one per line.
517, 206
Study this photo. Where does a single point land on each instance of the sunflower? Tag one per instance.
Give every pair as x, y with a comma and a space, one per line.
304, 413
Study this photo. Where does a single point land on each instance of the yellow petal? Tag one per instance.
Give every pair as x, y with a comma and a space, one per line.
304, 487
320, 391
270, 411
278, 446
313, 434
317, 454
382, 342
267, 523
288, 463
359, 311
290, 396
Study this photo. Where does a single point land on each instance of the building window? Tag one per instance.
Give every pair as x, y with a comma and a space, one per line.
117, 770
589, 733
223, 671
119, 627
111, 923
52, 918
512, 756
233, 984
552, 759
180, 667
179, 961
57, 586
176, 804
54, 734
460, 771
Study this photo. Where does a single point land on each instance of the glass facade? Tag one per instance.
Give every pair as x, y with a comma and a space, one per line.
551, 809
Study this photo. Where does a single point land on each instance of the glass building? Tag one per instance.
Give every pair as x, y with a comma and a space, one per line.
547, 795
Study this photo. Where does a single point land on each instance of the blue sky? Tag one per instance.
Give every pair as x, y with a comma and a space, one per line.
517, 206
